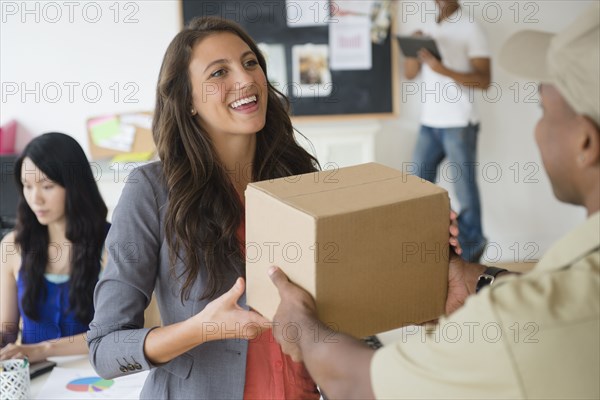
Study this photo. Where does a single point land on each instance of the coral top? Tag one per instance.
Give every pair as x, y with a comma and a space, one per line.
270, 374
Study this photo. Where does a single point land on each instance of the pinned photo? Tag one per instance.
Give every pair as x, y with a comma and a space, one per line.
311, 74
276, 66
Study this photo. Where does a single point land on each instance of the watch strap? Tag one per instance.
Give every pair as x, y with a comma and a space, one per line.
488, 277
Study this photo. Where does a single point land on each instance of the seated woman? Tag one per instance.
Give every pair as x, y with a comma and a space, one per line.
51, 262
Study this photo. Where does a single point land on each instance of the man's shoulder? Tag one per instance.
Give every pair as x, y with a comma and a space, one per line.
464, 22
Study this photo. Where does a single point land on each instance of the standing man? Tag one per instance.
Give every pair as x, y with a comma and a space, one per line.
530, 336
449, 123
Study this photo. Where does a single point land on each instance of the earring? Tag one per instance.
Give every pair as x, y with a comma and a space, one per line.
193, 112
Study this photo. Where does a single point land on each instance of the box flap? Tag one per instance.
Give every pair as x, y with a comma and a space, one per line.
270, 241
315, 182
349, 189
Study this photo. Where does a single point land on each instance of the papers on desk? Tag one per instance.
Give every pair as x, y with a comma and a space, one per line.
67, 383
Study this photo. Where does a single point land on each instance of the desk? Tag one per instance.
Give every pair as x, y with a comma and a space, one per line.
73, 363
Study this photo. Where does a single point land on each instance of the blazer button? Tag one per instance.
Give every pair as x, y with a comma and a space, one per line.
137, 366
123, 368
130, 367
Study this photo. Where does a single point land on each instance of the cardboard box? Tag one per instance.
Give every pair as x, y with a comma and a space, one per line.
369, 243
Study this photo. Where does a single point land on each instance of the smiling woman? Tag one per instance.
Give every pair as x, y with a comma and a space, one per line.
178, 230
229, 88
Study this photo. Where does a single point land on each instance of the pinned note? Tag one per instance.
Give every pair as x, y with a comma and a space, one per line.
110, 133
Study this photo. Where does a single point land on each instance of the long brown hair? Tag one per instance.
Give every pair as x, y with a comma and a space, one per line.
203, 211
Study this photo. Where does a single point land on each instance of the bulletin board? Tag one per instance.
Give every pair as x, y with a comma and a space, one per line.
121, 137
361, 93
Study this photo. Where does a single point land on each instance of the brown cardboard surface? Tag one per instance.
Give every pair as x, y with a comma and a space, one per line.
371, 245
316, 182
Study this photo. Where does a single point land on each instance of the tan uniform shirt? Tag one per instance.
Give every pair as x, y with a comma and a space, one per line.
532, 336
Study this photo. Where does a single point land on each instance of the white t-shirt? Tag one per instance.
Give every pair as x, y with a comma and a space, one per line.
446, 103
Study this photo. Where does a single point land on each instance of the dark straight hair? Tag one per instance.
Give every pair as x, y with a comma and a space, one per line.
63, 161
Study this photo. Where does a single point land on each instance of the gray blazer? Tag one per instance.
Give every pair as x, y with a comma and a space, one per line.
138, 264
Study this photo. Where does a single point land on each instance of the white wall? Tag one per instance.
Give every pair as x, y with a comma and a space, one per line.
121, 58
69, 50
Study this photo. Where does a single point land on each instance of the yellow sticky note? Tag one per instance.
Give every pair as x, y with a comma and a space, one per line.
134, 157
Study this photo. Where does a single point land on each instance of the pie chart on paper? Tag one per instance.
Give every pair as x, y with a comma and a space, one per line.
89, 384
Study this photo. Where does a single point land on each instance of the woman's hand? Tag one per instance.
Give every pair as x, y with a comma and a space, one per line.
454, 233
34, 352
223, 318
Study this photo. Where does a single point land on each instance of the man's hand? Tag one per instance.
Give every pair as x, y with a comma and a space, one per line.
341, 365
412, 65
479, 78
436, 65
462, 279
457, 288
297, 310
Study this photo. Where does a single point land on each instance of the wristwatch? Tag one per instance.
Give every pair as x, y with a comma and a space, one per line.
488, 276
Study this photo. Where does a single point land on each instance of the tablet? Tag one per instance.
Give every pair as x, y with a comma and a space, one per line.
410, 45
